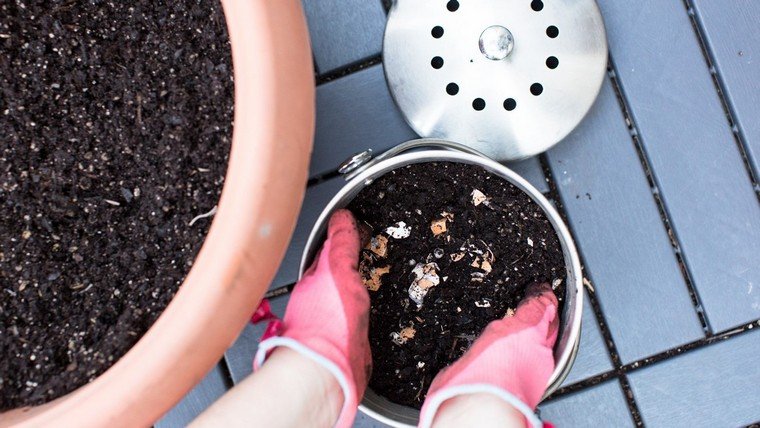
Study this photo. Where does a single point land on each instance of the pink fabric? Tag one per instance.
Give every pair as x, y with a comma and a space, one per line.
264, 313
329, 308
513, 354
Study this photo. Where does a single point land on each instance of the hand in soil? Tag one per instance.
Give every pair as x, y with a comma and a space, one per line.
327, 313
453, 248
513, 354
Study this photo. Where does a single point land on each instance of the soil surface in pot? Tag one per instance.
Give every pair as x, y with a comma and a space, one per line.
453, 248
115, 127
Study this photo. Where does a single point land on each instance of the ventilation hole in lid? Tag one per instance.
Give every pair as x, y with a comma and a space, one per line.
452, 89
436, 62
452, 5
437, 32
478, 104
537, 5
552, 62
552, 31
510, 104
536, 89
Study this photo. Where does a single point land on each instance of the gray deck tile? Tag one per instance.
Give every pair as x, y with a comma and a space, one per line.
316, 199
531, 170
695, 160
196, 401
621, 236
364, 421
239, 357
593, 358
718, 385
355, 113
600, 406
733, 38
344, 32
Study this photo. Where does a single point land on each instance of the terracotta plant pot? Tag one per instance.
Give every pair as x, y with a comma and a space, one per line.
264, 187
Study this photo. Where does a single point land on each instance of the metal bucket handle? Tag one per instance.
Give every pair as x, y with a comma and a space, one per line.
359, 162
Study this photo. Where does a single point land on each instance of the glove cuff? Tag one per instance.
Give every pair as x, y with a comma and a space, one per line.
350, 399
433, 403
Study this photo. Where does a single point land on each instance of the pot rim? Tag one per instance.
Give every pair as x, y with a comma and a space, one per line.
571, 320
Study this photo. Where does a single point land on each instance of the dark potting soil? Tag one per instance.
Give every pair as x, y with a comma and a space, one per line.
475, 242
115, 125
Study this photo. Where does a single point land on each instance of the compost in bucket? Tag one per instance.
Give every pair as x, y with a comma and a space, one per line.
115, 128
453, 247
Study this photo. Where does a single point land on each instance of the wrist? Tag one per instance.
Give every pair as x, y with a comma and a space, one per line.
310, 380
478, 409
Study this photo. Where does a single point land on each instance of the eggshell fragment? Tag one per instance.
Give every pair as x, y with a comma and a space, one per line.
374, 281
378, 245
401, 337
438, 226
425, 277
478, 197
399, 230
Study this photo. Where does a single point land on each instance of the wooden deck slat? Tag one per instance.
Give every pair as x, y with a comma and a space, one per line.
695, 160
600, 406
718, 385
621, 236
197, 400
593, 358
344, 32
732, 34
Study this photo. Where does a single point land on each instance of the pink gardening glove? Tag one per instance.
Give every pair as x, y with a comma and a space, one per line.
512, 359
328, 315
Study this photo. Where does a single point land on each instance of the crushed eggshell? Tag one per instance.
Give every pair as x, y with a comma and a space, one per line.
457, 257
485, 303
510, 313
478, 197
556, 283
378, 245
373, 281
403, 336
425, 277
448, 216
399, 230
530, 242
482, 264
438, 226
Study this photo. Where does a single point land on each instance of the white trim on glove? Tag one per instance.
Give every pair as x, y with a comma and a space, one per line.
274, 342
426, 418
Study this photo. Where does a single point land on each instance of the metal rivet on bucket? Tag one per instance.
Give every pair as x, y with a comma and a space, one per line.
509, 78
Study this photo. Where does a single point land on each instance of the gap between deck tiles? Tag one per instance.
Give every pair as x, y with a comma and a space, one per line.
664, 216
657, 358
606, 334
709, 57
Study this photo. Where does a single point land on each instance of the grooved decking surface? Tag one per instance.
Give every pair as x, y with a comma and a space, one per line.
659, 186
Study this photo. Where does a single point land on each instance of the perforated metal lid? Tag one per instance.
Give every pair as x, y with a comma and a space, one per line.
509, 78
